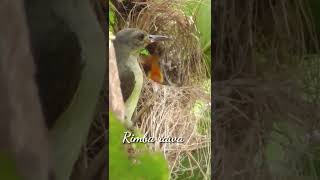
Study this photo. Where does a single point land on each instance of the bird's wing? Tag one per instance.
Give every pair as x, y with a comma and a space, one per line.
131, 85
127, 84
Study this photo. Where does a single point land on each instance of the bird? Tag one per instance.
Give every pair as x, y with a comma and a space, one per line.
151, 63
127, 44
69, 50
57, 55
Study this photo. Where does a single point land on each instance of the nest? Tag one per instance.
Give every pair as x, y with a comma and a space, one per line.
258, 75
166, 110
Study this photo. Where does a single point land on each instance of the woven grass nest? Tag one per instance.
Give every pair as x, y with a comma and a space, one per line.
167, 110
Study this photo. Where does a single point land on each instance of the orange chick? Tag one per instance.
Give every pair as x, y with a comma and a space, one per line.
151, 64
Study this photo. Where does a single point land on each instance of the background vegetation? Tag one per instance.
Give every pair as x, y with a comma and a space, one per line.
266, 78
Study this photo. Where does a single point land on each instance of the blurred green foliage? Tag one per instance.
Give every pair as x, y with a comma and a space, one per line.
8, 169
112, 17
284, 151
200, 12
145, 165
289, 154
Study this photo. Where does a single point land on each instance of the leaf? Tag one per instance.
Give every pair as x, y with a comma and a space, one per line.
144, 52
200, 11
112, 17
146, 165
8, 168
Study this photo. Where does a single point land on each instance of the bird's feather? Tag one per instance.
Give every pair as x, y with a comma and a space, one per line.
127, 84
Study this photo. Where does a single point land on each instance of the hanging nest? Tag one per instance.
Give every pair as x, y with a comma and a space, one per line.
167, 110
259, 91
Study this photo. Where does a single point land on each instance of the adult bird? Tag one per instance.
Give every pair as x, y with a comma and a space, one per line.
69, 49
127, 44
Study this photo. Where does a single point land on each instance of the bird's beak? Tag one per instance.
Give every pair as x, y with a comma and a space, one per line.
156, 38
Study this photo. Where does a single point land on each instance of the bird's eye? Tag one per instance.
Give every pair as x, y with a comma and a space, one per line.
141, 37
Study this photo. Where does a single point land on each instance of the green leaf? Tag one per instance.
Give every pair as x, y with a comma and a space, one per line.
203, 22
146, 165
8, 169
200, 12
112, 16
144, 52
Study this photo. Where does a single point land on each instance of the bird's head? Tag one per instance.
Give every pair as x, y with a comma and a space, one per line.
134, 39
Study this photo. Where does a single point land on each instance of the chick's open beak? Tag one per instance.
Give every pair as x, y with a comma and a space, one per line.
156, 38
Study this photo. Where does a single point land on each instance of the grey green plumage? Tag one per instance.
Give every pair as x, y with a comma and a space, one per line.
71, 129
127, 44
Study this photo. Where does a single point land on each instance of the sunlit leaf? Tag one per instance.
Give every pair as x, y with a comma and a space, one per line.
146, 165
